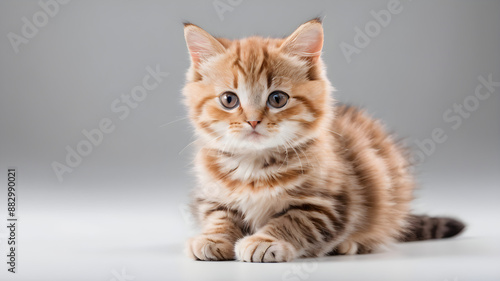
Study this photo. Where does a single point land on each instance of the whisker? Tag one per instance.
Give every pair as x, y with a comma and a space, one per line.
298, 156
303, 153
296, 143
199, 140
334, 133
286, 158
171, 122
224, 148
196, 156
187, 146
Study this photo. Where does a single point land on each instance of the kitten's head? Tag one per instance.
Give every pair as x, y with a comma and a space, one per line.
257, 93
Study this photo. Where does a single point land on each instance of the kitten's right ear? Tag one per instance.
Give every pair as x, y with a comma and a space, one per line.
201, 44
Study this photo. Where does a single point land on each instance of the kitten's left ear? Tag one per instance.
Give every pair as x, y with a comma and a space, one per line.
201, 44
306, 41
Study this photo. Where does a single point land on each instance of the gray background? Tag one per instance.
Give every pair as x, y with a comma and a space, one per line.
124, 206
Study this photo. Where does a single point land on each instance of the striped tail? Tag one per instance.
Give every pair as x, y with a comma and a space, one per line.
425, 228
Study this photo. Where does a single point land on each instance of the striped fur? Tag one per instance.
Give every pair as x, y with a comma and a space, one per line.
311, 179
425, 228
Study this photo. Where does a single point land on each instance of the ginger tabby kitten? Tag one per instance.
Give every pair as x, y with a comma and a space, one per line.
282, 172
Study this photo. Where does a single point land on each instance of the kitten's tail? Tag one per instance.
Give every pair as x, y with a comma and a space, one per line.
425, 228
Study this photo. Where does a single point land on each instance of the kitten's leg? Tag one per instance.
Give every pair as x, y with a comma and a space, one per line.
305, 230
220, 232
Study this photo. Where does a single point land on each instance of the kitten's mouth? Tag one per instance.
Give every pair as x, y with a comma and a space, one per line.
254, 136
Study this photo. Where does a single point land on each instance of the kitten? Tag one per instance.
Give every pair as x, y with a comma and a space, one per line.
282, 172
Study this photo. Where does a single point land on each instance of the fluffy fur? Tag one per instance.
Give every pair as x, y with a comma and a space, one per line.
305, 180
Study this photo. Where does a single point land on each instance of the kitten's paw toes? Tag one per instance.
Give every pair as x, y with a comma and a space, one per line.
347, 248
210, 248
258, 249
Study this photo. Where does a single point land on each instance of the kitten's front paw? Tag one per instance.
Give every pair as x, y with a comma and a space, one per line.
208, 247
259, 249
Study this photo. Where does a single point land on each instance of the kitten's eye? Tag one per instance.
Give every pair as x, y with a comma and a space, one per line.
229, 100
277, 99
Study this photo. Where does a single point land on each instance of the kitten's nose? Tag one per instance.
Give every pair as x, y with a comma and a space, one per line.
253, 123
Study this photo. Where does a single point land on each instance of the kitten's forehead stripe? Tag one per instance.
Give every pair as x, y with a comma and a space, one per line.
265, 58
269, 78
239, 65
235, 77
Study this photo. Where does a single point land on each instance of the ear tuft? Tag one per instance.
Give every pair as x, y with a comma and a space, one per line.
316, 19
201, 44
306, 41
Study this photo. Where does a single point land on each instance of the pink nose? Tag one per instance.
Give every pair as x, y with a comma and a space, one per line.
253, 123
